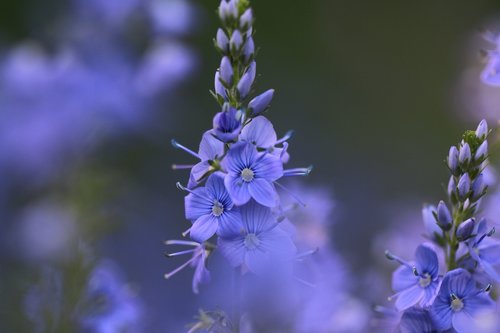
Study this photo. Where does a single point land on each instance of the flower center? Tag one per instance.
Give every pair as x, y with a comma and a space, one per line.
425, 280
217, 209
247, 175
457, 304
251, 241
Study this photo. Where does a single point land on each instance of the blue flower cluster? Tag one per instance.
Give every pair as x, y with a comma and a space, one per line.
233, 186
459, 300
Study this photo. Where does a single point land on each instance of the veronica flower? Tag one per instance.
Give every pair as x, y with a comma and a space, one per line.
260, 132
227, 124
210, 151
200, 254
416, 320
458, 302
210, 208
250, 174
484, 251
432, 228
257, 240
416, 283
120, 308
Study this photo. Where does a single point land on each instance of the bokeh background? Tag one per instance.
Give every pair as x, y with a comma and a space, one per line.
91, 92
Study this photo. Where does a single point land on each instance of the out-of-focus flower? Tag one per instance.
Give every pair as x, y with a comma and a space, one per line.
113, 306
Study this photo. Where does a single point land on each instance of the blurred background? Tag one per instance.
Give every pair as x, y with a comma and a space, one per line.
92, 91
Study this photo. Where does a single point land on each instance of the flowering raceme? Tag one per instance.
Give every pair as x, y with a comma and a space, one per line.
233, 188
459, 300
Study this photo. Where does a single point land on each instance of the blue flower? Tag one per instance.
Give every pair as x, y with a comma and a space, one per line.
433, 230
227, 124
415, 320
260, 132
210, 150
258, 241
200, 253
210, 208
458, 302
416, 283
250, 174
485, 251
491, 73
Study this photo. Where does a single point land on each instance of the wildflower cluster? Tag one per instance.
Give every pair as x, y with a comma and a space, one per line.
457, 301
232, 189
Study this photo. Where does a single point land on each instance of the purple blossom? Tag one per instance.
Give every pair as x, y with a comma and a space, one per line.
250, 174
432, 228
210, 209
491, 73
458, 302
222, 40
484, 251
227, 124
260, 132
416, 283
258, 241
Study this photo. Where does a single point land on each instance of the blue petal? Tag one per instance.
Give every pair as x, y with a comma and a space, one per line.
441, 312
215, 186
403, 278
201, 275
260, 132
233, 250
409, 297
230, 224
257, 261
490, 270
479, 303
430, 293
237, 189
204, 228
210, 147
263, 192
464, 322
197, 172
268, 167
256, 218
198, 203
416, 321
278, 243
491, 253
427, 260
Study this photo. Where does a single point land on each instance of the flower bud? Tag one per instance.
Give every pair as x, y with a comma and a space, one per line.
452, 186
236, 41
463, 186
219, 88
430, 224
228, 10
248, 49
478, 187
482, 129
465, 155
246, 19
481, 151
465, 229
222, 40
226, 70
443, 216
246, 80
453, 159
260, 103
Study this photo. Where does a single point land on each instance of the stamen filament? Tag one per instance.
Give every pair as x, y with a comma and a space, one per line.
175, 254
181, 267
298, 172
182, 166
187, 150
181, 242
286, 137
300, 202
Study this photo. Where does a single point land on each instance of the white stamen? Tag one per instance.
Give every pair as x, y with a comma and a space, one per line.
217, 209
251, 241
425, 280
247, 175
